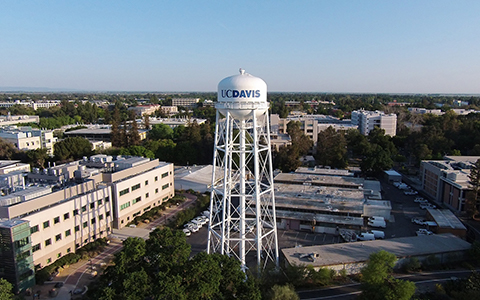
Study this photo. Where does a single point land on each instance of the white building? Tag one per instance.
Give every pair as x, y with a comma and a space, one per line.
186, 102
141, 110
73, 204
28, 138
368, 120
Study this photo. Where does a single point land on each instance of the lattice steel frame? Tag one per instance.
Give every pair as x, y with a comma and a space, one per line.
242, 204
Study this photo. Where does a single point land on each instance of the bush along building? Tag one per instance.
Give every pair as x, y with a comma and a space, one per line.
68, 206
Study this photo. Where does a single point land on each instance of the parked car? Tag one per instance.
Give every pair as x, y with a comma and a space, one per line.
423, 231
364, 236
418, 221
420, 200
410, 192
377, 223
377, 234
187, 232
426, 205
376, 218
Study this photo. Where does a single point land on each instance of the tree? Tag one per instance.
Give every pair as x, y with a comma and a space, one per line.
331, 149
378, 283
72, 148
160, 132
283, 292
133, 135
6, 290
37, 157
472, 204
146, 122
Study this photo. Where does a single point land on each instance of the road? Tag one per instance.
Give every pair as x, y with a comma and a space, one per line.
424, 281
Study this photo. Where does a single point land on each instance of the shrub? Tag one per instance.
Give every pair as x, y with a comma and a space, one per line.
412, 265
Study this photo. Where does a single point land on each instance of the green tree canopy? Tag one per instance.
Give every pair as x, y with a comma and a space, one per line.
72, 148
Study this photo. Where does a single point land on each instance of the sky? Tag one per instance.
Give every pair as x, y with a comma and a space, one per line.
428, 46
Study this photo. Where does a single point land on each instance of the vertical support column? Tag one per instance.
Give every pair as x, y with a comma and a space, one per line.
241, 209
257, 198
226, 184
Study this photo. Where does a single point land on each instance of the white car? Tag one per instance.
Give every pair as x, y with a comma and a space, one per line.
411, 193
193, 228
426, 205
423, 231
418, 221
187, 232
420, 200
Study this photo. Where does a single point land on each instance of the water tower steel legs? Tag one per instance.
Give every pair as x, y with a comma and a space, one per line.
242, 204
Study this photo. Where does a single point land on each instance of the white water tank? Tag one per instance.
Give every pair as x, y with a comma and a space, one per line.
242, 93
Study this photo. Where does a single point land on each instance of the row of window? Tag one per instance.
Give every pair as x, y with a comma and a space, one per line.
137, 186
66, 216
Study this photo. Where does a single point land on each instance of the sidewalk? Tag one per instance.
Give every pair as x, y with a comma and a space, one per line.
77, 276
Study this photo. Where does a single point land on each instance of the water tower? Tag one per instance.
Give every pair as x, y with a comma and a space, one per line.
242, 205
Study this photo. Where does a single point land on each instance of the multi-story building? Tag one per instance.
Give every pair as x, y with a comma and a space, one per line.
186, 102
169, 110
12, 120
446, 181
141, 110
70, 205
368, 120
33, 104
311, 125
16, 264
28, 138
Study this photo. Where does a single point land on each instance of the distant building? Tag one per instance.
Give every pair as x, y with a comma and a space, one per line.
169, 110
446, 181
99, 133
28, 138
141, 110
175, 122
13, 120
186, 102
33, 104
311, 125
368, 120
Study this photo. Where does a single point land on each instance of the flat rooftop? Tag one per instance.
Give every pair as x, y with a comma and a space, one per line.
356, 252
319, 218
323, 171
446, 219
7, 223
318, 198
321, 180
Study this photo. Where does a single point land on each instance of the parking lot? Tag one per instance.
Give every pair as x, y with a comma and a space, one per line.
403, 210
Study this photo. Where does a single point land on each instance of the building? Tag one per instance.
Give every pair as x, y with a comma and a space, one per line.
352, 257
446, 181
197, 178
33, 104
141, 110
67, 206
175, 122
28, 138
446, 222
169, 110
16, 264
311, 125
189, 103
99, 133
13, 120
368, 120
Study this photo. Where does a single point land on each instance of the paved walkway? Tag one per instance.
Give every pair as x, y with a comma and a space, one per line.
79, 275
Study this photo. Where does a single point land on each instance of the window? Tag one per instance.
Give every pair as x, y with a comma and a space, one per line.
125, 191
33, 229
107, 199
138, 199
100, 217
147, 195
146, 182
48, 242
92, 205
58, 237
99, 202
156, 191
92, 221
135, 187
77, 228
156, 178
49, 260
107, 214
69, 250
164, 174
59, 255
123, 206
165, 186
46, 224
66, 216
68, 233
36, 247
75, 212
56, 220
84, 208
85, 224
